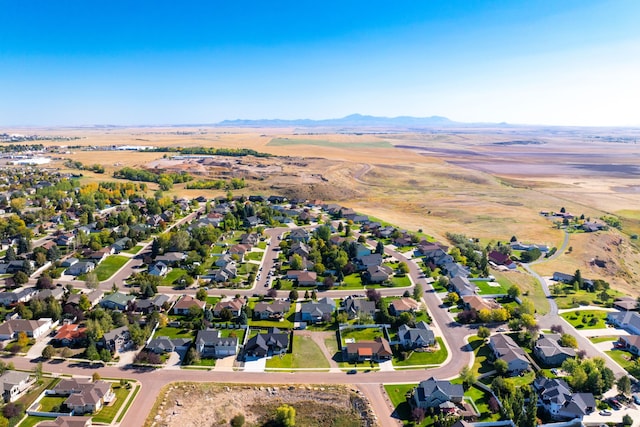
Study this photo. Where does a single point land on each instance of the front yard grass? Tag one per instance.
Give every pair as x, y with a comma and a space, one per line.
567, 297
172, 276
482, 354
419, 358
254, 256
626, 360
49, 403
134, 250
108, 413
604, 338
306, 354
487, 289
586, 319
32, 421
172, 332
110, 265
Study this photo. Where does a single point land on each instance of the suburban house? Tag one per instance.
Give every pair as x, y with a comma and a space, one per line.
476, 302
55, 293
233, 305
498, 258
94, 298
185, 303
376, 350
275, 310
369, 260
158, 268
69, 262
209, 343
80, 267
300, 248
117, 301
239, 250
403, 305
317, 311
591, 227
223, 260
14, 383
630, 343
272, 343
560, 402
121, 244
462, 286
626, 304
628, 320
562, 277
10, 329
420, 336
506, 349
161, 345
116, 340
20, 295
549, 351
67, 421
432, 393
70, 334
171, 258
84, 396
149, 305
304, 278
355, 307
378, 273
299, 235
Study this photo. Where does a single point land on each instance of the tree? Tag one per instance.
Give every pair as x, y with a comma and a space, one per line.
403, 268
379, 248
202, 294
20, 278
91, 280
577, 278
417, 292
4, 422
513, 292
48, 352
237, 421
468, 377
96, 376
567, 340
23, 339
12, 410
624, 385
286, 415
91, 352
44, 282
10, 255
513, 239
452, 298
296, 262
373, 295
484, 332
226, 314
293, 295
192, 357
501, 367
627, 420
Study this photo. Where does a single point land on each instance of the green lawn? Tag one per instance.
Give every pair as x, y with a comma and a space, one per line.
49, 403
397, 394
286, 323
401, 281
352, 281
171, 332
253, 256
368, 334
586, 319
417, 358
172, 276
131, 399
134, 250
31, 421
605, 338
110, 265
482, 353
486, 289
630, 363
568, 298
306, 354
108, 413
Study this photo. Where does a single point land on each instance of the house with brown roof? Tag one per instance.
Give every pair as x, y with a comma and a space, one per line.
498, 258
377, 350
84, 396
234, 306
185, 303
33, 328
403, 305
67, 421
476, 302
275, 310
70, 334
630, 343
626, 304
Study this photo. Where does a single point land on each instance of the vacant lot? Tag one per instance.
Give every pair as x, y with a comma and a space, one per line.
207, 405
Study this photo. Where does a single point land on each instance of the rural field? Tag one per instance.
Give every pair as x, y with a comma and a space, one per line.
488, 183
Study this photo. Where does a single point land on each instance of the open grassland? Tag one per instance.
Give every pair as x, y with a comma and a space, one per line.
486, 183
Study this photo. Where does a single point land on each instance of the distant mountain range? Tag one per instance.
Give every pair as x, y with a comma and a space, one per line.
355, 120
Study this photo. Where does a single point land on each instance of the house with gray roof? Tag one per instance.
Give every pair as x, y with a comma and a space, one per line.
628, 320
505, 348
355, 307
462, 286
117, 301
378, 273
369, 260
275, 310
420, 336
149, 305
80, 267
162, 345
211, 343
560, 402
317, 311
20, 295
549, 351
14, 383
117, 339
94, 297
431, 393
55, 293
272, 343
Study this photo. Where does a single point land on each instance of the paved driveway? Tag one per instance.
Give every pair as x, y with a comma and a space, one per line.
257, 365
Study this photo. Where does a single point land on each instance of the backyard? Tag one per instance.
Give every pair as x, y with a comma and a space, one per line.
109, 266
586, 319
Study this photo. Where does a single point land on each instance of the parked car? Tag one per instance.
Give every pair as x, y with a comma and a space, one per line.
352, 371
636, 399
605, 413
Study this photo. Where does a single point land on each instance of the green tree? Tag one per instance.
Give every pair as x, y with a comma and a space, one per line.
286, 416
513, 292
501, 367
226, 314
296, 262
567, 340
202, 294
91, 280
624, 385
403, 268
84, 304
484, 332
293, 295
48, 352
468, 377
627, 420
417, 292
20, 278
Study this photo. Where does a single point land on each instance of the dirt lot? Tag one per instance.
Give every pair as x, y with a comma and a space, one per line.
212, 405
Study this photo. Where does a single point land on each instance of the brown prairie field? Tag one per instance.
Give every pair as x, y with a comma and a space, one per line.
489, 183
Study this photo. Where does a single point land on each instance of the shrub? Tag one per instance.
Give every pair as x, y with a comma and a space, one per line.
237, 421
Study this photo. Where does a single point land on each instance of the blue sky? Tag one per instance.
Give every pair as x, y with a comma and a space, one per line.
165, 62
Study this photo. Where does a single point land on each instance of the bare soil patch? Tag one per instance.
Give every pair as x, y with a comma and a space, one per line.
212, 405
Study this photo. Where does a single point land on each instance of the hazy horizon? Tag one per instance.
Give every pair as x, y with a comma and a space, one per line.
546, 63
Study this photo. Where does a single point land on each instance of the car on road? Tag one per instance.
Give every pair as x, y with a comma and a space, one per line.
501, 329
636, 399
605, 413
351, 372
